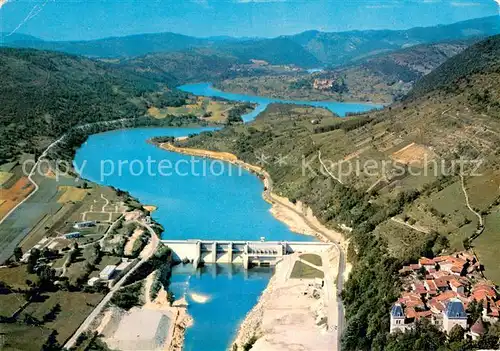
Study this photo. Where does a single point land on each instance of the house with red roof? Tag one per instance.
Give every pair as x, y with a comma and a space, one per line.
426, 263
445, 293
457, 286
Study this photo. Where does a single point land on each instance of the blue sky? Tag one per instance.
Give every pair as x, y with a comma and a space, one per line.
91, 19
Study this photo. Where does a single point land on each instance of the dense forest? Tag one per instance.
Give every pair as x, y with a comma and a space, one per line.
44, 94
483, 57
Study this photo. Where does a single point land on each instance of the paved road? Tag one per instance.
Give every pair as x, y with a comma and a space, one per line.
9, 250
148, 251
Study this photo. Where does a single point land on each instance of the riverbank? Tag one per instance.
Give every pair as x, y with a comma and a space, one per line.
298, 310
300, 219
154, 326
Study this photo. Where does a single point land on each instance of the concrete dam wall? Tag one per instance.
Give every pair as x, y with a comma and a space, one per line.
239, 252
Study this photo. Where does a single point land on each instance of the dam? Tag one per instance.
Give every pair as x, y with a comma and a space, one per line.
247, 253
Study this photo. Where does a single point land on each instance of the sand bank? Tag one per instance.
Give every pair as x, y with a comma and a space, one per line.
129, 246
292, 313
150, 208
155, 326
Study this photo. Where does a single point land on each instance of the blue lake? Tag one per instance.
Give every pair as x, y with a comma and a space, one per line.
340, 108
228, 205
197, 199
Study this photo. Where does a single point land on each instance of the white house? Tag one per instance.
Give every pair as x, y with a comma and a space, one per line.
398, 320
454, 314
107, 272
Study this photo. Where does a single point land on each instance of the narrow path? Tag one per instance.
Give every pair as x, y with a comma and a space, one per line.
467, 202
326, 168
147, 253
418, 229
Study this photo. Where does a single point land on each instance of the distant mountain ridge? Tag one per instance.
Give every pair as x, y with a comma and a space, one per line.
307, 49
343, 47
480, 58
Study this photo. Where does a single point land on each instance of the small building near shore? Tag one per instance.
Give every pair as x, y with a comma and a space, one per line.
85, 224
107, 272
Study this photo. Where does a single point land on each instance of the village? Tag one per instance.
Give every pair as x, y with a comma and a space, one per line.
448, 291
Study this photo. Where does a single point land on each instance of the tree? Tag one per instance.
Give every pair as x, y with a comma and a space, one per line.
170, 298
52, 314
475, 310
456, 334
32, 260
18, 253
46, 276
51, 344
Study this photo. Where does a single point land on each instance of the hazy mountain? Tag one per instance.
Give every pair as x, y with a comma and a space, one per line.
133, 45
307, 49
342, 47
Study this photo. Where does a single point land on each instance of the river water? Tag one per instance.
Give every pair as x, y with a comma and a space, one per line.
340, 108
196, 199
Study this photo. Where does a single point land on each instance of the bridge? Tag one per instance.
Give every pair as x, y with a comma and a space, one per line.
247, 253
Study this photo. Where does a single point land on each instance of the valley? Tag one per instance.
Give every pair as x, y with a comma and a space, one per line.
389, 151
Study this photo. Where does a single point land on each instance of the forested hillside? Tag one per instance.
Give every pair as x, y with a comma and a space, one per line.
43, 94
482, 58
381, 78
278, 51
411, 204
180, 67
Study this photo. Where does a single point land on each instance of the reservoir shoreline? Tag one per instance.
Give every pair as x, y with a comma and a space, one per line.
299, 219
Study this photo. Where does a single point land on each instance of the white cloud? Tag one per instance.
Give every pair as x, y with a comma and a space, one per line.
3, 2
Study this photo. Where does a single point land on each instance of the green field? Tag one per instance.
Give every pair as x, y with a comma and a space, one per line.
4, 177
303, 271
21, 337
312, 258
9, 303
16, 276
202, 107
75, 306
487, 246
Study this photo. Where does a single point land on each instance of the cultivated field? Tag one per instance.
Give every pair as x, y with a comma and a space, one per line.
210, 110
14, 195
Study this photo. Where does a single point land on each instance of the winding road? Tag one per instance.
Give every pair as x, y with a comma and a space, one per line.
146, 253
9, 250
